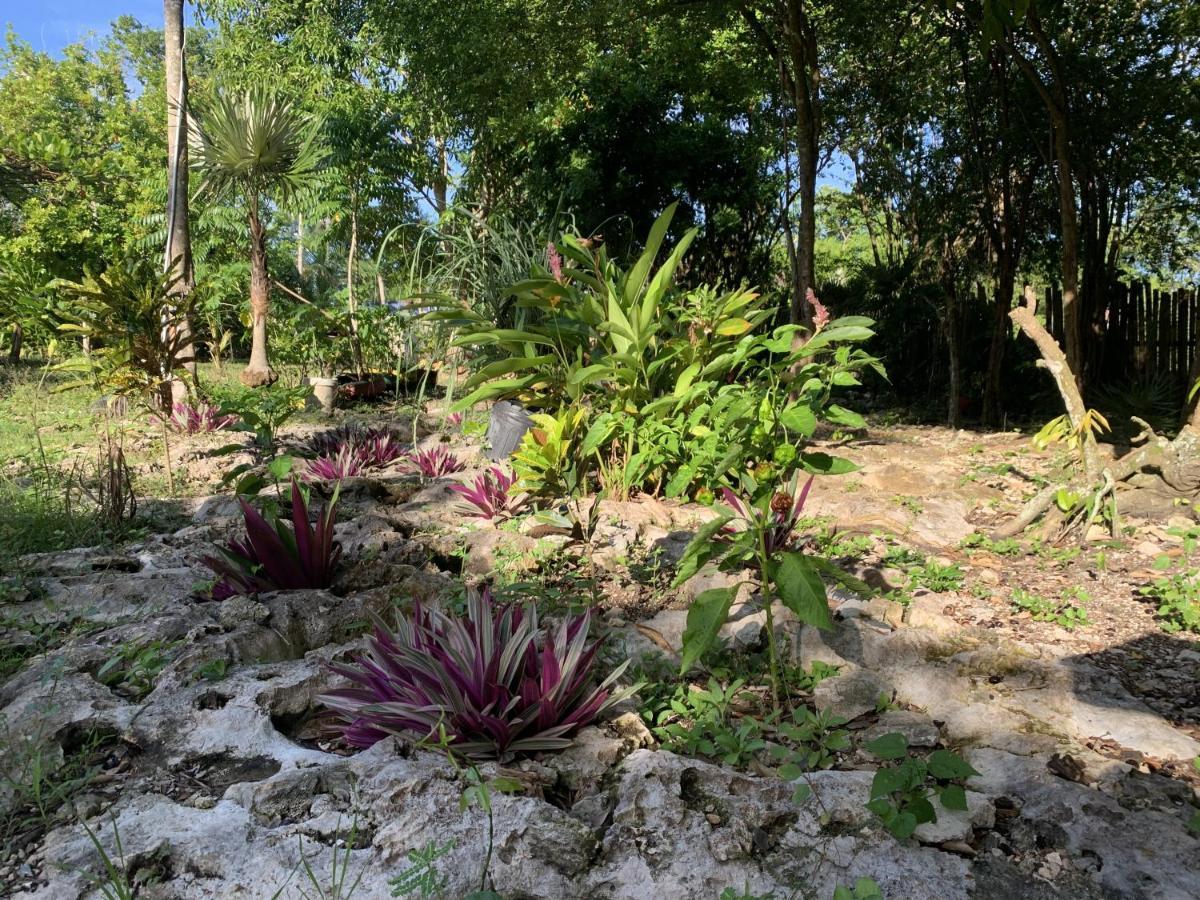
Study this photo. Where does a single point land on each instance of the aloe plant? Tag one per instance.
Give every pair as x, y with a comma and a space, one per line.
278, 555
494, 680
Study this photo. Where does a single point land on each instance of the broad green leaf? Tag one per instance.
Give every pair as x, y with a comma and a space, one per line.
732, 327
889, 746
824, 464
839, 415
946, 765
701, 549
800, 419
802, 591
705, 617
954, 797
885, 783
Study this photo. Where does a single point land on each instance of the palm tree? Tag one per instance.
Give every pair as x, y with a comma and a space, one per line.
260, 146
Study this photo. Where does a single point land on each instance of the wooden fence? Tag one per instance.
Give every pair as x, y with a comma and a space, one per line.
1148, 333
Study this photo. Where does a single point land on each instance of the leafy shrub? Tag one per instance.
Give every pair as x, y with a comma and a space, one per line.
1178, 599
687, 388
202, 418
266, 410
547, 463
137, 328
759, 532
1063, 612
494, 680
435, 463
698, 723
900, 794
276, 555
489, 494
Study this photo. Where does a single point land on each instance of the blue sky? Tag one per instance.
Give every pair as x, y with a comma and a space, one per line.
50, 25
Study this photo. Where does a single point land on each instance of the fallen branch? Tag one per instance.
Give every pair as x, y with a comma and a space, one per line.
1177, 461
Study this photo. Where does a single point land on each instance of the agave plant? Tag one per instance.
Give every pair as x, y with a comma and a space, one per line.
200, 419
275, 555
494, 680
436, 462
489, 494
345, 463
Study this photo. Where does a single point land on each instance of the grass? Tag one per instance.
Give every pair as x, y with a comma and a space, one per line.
45, 432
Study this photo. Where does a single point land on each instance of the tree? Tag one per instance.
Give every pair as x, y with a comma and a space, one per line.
256, 145
178, 256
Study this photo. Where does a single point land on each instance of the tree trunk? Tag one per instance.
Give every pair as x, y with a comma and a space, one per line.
1069, 218
1001, 325
300, 244
1054, 98
1054, 361
14, 351
954, 411
258, 372
178, 253
805, 81
792, 42
442, 180
351, 300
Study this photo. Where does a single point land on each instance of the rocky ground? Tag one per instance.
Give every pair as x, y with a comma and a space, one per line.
204, 757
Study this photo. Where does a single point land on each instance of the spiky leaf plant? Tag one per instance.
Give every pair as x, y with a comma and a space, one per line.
489, 494
436, 462
202, 418
277, 555
495, 681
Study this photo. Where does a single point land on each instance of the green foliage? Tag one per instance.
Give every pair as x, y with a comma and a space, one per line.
864, 889
900, 794
1060, 430
139, 344
213, 670
1003, 547
133, 667
548, 461
686, 386
936, 577
815, 738
254, 143
1178, 599
698, 722
265, 410
421, 877
1068, 611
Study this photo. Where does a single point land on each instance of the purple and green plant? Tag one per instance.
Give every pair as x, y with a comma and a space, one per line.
759, 533
435, 462
276, 554
199, 419
344, 463
493, 680
489, 494
374, 447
